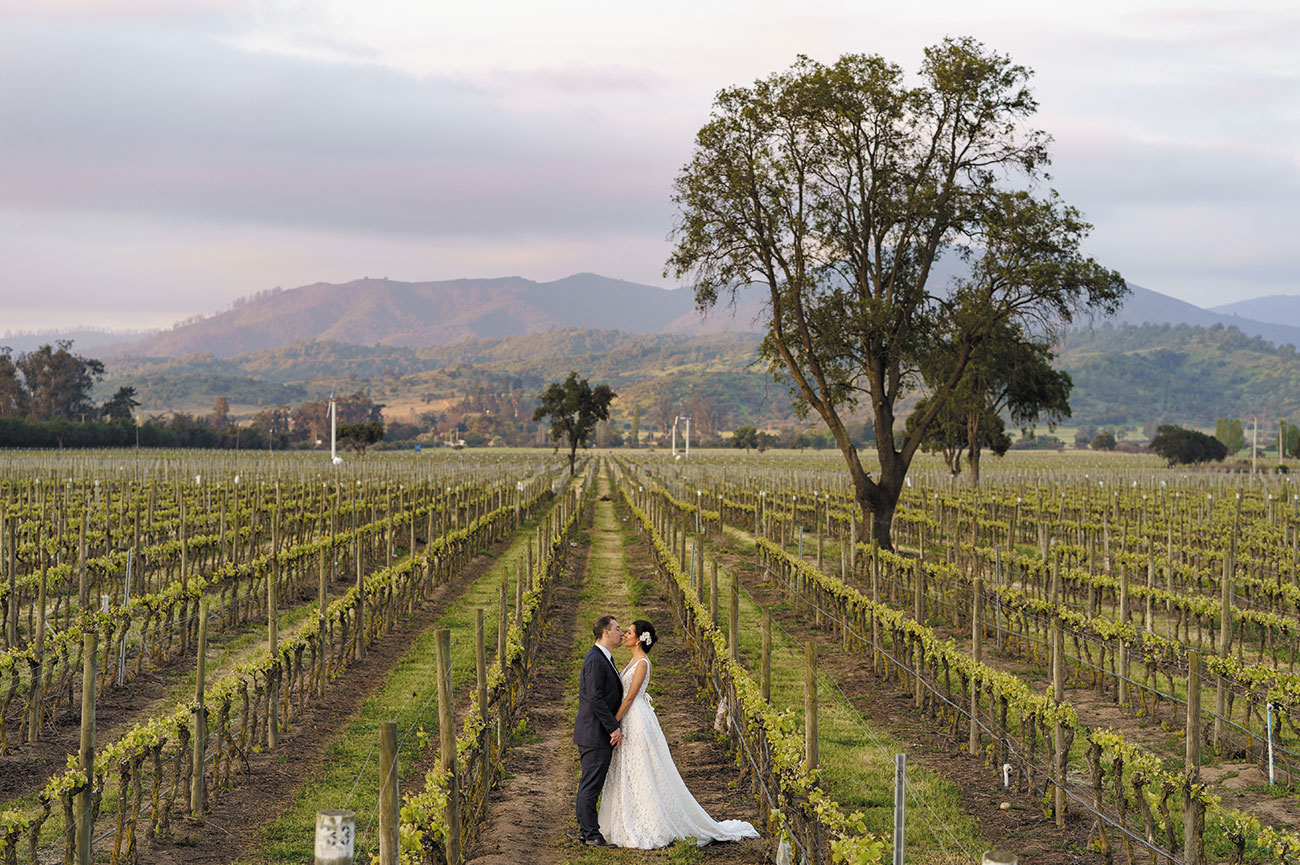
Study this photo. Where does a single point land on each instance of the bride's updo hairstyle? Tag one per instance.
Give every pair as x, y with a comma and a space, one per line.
645, 634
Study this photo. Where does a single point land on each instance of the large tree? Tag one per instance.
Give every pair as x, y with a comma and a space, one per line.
121, 405
836, 189
58, 382
1230, 432
574, 407
361, 435
949, 433
1187, 446
1009, 373
13, 396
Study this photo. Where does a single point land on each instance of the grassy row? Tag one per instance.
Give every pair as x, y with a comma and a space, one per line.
612, 588
856, 759
348, 773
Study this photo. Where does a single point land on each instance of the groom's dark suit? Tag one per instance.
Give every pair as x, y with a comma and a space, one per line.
600, 691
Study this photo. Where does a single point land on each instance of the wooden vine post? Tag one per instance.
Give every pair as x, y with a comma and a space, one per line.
519, 600
1225, 640
480, 664
447, 739
323, 592
361, 586
200, 716
713, 593
1058, 731
810, 705
765, 677
875, 600
86, 758
977, 653
390, 802
1122, 673
503, 612
733, 629
273, 640
185, 579
1194, 809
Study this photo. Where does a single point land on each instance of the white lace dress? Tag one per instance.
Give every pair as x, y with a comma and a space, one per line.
645, 803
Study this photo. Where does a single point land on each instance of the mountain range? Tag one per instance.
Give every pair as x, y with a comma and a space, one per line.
415, 345
420, 314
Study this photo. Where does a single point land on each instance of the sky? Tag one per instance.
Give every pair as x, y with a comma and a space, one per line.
161, 158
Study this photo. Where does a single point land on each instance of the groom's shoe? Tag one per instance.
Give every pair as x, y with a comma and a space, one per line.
597, 841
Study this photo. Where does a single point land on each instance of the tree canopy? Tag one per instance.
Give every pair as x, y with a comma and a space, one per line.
574, 407
1186, 446
359, 436
836, 189
1009, 372
1231, 433
50, 383
120, 405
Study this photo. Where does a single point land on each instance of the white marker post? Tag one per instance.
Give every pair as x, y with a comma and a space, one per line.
336, 832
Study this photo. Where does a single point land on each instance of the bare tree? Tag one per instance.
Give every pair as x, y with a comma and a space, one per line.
704, 416
665, 409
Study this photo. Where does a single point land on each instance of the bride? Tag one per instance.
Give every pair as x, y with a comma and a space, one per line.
645, 803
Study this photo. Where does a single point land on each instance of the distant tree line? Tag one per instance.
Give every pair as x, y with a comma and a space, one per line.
45, 401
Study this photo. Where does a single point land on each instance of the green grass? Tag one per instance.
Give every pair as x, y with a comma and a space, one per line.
348, 776
857, 760
614, 588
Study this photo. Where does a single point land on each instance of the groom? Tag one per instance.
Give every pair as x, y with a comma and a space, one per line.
596, 731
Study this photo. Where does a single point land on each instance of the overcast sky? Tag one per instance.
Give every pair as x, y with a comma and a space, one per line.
160, 158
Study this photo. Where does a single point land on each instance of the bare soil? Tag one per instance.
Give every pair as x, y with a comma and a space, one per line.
537, 795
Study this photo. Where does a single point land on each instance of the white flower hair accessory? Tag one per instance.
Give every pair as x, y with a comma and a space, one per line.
646, 638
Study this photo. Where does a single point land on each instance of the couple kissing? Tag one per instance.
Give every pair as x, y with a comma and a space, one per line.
626, 764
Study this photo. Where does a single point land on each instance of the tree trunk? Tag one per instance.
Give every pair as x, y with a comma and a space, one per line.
878, 501
882, 524
573, 455
973, 460
973, 440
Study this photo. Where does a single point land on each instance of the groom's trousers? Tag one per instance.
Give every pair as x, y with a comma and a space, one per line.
595, 766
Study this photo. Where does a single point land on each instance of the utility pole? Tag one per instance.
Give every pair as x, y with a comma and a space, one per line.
1254, 442
334, 431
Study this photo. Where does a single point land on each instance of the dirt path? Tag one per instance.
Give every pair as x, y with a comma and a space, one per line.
536, 796
531, 818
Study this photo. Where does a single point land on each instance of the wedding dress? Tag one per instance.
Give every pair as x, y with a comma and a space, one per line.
645, 803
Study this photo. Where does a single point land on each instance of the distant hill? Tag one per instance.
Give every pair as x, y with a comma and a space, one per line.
639, 367
417, 314
1123, 374
1276, 308
1178, 374
416, 346
421, 314
1145, 306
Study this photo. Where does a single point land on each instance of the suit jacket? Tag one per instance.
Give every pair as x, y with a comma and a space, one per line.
600, 691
